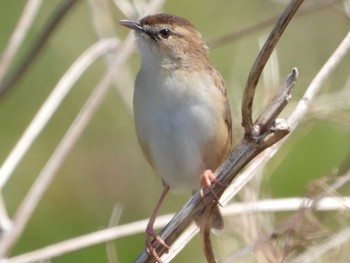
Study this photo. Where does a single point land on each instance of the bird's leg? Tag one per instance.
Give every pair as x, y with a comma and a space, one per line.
150, 233
208, 178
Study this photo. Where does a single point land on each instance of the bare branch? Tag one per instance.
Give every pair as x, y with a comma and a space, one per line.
277, 104
259, 64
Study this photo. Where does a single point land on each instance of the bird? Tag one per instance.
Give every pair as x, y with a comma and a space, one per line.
181, 110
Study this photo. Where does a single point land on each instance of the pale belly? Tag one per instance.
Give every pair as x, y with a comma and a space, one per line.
176, 140
175, 131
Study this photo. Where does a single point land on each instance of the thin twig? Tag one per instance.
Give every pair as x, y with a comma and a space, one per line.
259, 64
50, 26
28, 15
277, 104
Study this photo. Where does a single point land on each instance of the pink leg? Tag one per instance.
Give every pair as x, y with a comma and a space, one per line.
150, 233
208, 178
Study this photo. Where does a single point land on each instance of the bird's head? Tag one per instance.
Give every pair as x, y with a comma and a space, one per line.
168, 40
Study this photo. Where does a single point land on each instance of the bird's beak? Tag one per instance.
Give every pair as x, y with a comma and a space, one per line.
135, 25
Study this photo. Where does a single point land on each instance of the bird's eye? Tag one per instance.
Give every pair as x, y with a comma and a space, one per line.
165, 33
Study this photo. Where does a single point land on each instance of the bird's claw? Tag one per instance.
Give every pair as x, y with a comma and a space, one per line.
208, 179
150, 233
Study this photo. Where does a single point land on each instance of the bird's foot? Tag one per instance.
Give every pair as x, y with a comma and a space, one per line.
151, 234
208, 179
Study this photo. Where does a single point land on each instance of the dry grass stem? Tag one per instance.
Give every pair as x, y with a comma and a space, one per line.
316, 252
31, 200
318, 81
26, 20
104, 26
33, 197
52, 23
302, 225
51, 104
114, 221
138, 227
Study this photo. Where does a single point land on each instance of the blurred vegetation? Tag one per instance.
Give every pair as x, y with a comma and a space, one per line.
107, 166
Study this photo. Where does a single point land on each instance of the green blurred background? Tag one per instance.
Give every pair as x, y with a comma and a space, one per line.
106, 166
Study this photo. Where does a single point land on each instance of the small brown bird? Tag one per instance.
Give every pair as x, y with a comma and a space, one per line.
181, 110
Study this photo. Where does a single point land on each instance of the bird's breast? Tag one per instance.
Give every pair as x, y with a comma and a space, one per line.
175, 123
